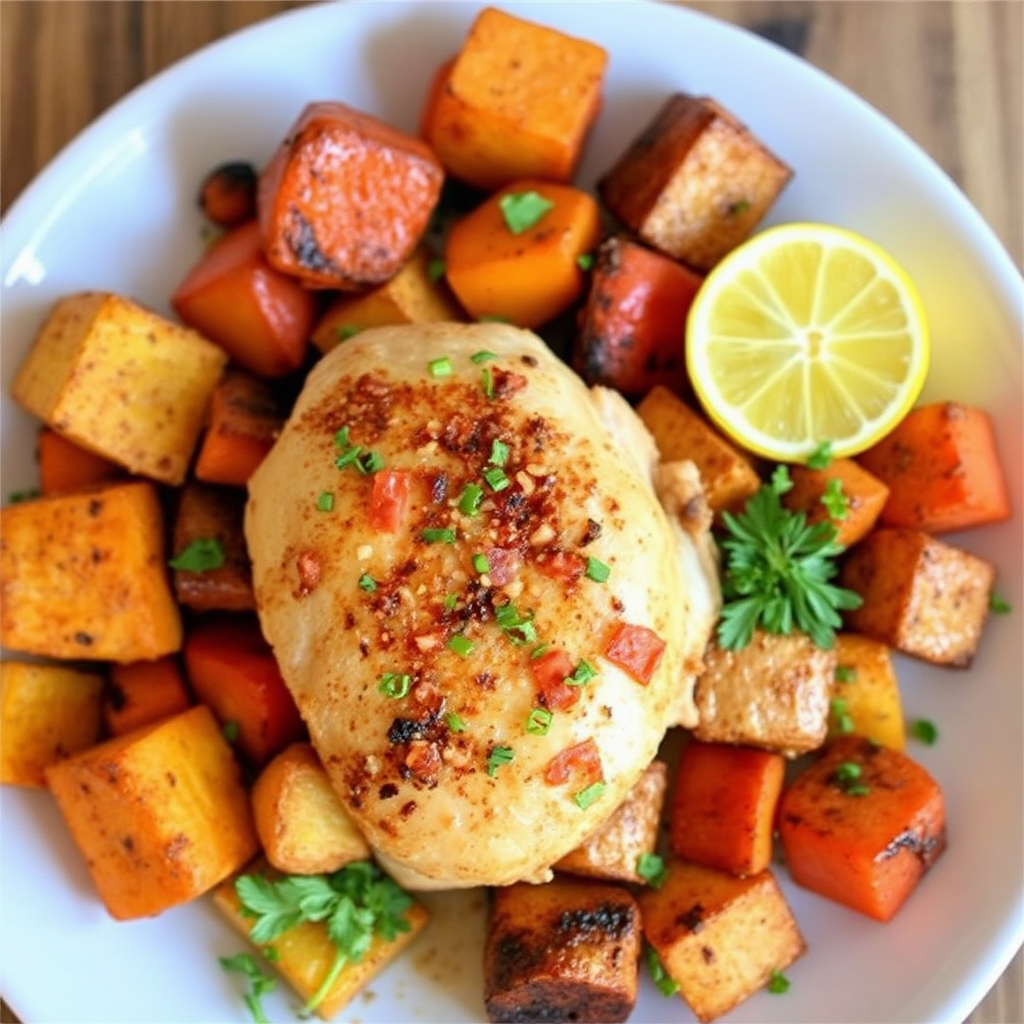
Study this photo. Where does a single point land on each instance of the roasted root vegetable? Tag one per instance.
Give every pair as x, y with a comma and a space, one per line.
695, 182
258, 315
921, 595
516, 256
160, 814
844, 494
212, 571
723, 806
227, 195
142, 693
563, 951
942, 470
372, 918
862, 825
772, 694
719, 937
83, 576
65, 466
631, 327
866, 698
244, 419
415, 295
615, 852
680, 432
346, 198
516, 102
302, 825
232, 668
46, 712
122, 381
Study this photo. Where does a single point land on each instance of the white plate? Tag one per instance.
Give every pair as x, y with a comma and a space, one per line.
117, 211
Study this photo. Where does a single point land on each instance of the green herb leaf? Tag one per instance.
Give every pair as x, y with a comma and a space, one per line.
522, 210
589, 796
199, 555
597, 570
519, 629
369, 463
480, 564
395, 685
539, 721
325, 503
441, 367
461, 645
845, 674
496, 478
781, 482
499, 453
367, 583
445, 535
656, 969
487, 381
836, 503
651, 868
821, 457
259, 983
496, 758
469, 502
778, 983
229, 730
581, 674
841, 718
998, 604
18, 497
585, 261
483, 356
925, 731
436, 269
346, 331
847, 777
456, 723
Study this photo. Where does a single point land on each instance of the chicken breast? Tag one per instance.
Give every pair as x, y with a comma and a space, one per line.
474, 596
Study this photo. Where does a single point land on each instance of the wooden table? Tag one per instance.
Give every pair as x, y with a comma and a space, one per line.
950, 74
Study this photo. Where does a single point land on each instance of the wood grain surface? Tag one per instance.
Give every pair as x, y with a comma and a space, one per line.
948, 72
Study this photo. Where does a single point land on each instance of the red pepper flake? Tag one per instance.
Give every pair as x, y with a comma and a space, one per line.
389, 500
581, 761
635, 649
550, 671
308, 564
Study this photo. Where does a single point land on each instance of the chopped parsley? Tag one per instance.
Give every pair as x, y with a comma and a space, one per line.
581, 675
597, 570
821, 457
847, 778
259, 983
480, 564
845, 674
836, 503
585, 261
656, 969
840, 716
523, 210
456, 723
496, 758
367, 583
998, 604
325, 503
200, 555
651, 868
518, 628
778, 982
461, 645
925, 731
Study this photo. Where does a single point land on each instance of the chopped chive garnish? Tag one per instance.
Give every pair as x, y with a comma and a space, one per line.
456, 723
346, 331
835, 500
998, 604
469, 503
585, 261
395, 685
512, 623
367, 583
496, 758
480, 563
539, 721
778, 983
461, 645
199, 555
821, 457
349, 457
586, 797
540, 650
847, 776
341, 438
925, 731
487, 381
229, 730
435, 269
370, 463
499, 453
483, 356
845, 673
651, 868
325, 503
450, 602
441, 367
841, 717
442, 536
496, 478
656, 969
597, 570
522, 210
581, 675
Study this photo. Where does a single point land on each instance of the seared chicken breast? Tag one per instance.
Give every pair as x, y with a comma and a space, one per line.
486, 617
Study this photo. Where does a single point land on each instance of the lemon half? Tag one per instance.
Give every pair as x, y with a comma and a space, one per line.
807, 334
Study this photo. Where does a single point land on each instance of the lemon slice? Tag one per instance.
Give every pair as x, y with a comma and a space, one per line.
807, 334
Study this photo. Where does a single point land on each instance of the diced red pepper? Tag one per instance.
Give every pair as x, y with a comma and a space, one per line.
389, 500
563, 565
550, 671
581, 761
635, 649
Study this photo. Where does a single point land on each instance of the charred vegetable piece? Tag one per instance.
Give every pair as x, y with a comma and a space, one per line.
228, 194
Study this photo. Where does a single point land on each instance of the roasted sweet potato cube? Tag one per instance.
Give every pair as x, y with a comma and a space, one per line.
346, 222
921, 595
84, 576
866, 697
632, 324
719, 937
862, 825
772, 694
855, 495
412, 296
144, 692
46, 712
562, 951
65, 466
517, 102
160, 814
120, 380
680, 432
613, 852
303, 955
695, 182
303, 826
207, 512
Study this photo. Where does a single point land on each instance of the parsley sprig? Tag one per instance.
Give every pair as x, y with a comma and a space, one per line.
355, 904
777, 571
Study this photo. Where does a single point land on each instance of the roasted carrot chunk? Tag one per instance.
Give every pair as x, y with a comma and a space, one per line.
515, 257
144, 692
65, 466
723, 807
844, 493
942, 470
346, 198
632, 324
261, 317
862, 825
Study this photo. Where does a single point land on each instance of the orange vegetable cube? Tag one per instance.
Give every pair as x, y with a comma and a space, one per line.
531, 276
142, 693
860, 494
723, 807
862, 825
160, 814
516, 102
65, 466
942, 470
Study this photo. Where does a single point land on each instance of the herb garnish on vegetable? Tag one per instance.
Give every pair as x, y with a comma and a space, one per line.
522, 210
259, 983
199, 555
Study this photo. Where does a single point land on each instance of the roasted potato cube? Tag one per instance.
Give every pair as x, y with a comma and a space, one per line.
921, 595
562, 951
122, 381
84, 576
861, 497
161, 814
410, 297
680, 432
615, 849
719, 937
303, 826
516, 102
46, 712
866, 697
695, 183
773, 693
303, 955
